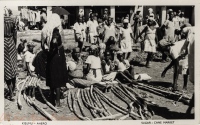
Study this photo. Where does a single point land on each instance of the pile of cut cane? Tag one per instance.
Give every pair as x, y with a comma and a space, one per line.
28, 91
99, 104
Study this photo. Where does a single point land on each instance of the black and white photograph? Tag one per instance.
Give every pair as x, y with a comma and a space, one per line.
99, 62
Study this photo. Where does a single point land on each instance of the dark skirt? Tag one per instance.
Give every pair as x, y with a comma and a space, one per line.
10, 58
56, 69
39, 63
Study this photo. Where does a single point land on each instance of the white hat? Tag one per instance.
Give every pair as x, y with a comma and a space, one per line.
170, 10
150, 9
126, 21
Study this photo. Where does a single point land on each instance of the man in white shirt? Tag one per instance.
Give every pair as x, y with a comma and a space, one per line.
92, 29
79, 32
109, 30
177, 52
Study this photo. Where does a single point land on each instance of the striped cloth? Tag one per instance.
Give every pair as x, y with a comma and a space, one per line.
10, 52
10, 58
9, 27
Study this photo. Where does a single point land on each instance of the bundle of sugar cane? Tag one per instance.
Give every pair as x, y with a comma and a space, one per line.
34, 86
42, 111
43, 97
20, 82
87, 95
167, 92
157, 90
19, 94
26, 90
114, 105
30, 86
74, 101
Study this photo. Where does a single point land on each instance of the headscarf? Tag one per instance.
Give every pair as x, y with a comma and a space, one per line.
52, 22
190, 33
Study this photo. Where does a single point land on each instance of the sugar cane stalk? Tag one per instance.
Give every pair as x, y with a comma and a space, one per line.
20, 82
92, 97
69, 100
111, 117
100, 111
144, 106
43, 97
163, 91
80, 104
34, 86
42, 111
87, 102
114, 105
107, 113
30, 86
139, 103
74, 106
19, 94
128, 94
96, 101
120, 96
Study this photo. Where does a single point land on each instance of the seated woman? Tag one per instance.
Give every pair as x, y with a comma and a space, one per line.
93, 62
75, 67
125, 70
92, 72
28, 57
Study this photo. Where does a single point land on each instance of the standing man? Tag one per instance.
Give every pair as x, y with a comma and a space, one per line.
79, 32
92, 29
137, 21
168, 31
109, 30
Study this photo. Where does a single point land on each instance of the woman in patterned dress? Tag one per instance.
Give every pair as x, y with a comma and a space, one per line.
10, 54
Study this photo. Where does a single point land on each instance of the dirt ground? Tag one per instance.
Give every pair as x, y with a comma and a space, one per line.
165, 109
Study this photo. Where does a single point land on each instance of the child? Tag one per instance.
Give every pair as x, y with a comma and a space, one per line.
21, 49
79, 32
107, 64
178, 54
102, 48
29, 56
92, 25
108, 67
125, 36
68, 55
125, 70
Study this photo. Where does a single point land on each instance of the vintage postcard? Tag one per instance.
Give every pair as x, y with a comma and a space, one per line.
103, 62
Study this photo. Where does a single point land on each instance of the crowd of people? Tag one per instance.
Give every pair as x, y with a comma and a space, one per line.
109, 51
